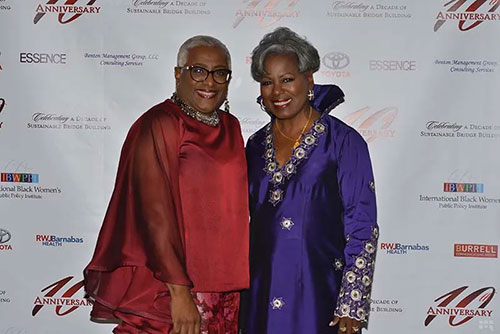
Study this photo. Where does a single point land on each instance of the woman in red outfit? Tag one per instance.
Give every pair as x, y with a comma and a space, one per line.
173, 248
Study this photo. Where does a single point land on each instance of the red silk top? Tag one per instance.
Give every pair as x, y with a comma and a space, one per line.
178, 214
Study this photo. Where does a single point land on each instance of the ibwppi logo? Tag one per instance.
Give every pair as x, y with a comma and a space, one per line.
471, 13
462, 312
65, 298
68, 7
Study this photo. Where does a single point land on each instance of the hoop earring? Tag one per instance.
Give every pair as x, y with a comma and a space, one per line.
226, 105
262, 105
310, 95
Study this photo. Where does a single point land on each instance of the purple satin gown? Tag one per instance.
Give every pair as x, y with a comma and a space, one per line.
313, 229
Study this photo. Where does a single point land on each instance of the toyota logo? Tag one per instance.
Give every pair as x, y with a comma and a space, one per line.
4, 236
2, 104
336, 60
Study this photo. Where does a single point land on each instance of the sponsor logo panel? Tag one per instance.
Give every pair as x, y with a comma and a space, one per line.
121, 59
475, 250
467, 14
461, 192
368, 10
64, 297
373, 123
266, 12
441, 129
49, 240
18, 182
468, 66
5, 238
53, 121
397, 248
461, 305
65, 11
164, 7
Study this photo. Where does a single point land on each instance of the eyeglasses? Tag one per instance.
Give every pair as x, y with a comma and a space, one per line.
200, 74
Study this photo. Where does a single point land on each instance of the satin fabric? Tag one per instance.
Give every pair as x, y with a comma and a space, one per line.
303, 242
177, 214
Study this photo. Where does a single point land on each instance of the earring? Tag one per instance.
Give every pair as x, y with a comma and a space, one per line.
262, 105
310, 95
226, 105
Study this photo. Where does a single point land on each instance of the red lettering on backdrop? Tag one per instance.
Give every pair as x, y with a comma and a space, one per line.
38, 16
54, 288
486, 298
472, 8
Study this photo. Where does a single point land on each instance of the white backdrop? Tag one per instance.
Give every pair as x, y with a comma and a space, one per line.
421, 80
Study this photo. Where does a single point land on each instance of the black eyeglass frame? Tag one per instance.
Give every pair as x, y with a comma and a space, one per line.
190, 67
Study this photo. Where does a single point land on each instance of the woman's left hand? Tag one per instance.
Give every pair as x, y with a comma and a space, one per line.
346, 325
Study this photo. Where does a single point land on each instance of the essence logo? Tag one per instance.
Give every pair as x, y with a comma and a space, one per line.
267, 12
463, 187
65, 298
392, 65
67, 8
473, 250
19, 177
373, 124
470, 17
461, 313
42, 58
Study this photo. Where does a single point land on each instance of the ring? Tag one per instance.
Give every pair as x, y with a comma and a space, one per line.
356, 329
343, 329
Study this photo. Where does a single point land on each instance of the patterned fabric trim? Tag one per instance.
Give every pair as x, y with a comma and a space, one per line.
354, 297
300, 153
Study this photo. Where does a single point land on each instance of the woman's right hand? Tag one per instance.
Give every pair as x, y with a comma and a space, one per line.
185, 315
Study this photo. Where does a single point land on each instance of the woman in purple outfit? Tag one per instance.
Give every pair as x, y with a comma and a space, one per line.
312, 202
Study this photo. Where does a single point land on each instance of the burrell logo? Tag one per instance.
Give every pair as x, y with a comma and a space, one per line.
473, 305
473, 250
67, 11
468, 13
54, 241
66, 303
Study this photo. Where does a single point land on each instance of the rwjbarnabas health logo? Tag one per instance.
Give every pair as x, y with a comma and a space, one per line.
460, 306
67, 11
468, 13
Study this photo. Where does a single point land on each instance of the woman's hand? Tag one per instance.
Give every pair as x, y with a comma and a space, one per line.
185, 315
346, 325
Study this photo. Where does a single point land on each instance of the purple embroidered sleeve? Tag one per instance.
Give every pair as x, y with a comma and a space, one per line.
360, 228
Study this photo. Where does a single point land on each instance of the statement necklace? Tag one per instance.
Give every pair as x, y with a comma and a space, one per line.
296, 142
211, 119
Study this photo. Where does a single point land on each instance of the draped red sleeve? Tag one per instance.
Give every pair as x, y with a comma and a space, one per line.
147, 239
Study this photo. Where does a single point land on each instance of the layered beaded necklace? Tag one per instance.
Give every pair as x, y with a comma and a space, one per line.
211, 119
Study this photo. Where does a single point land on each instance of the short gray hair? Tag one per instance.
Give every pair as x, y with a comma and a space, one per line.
284, 41
200, 40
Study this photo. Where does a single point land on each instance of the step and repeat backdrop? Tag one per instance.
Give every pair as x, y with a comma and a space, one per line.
421, 79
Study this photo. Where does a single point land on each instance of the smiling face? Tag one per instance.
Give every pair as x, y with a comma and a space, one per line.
283, 88
208, 95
